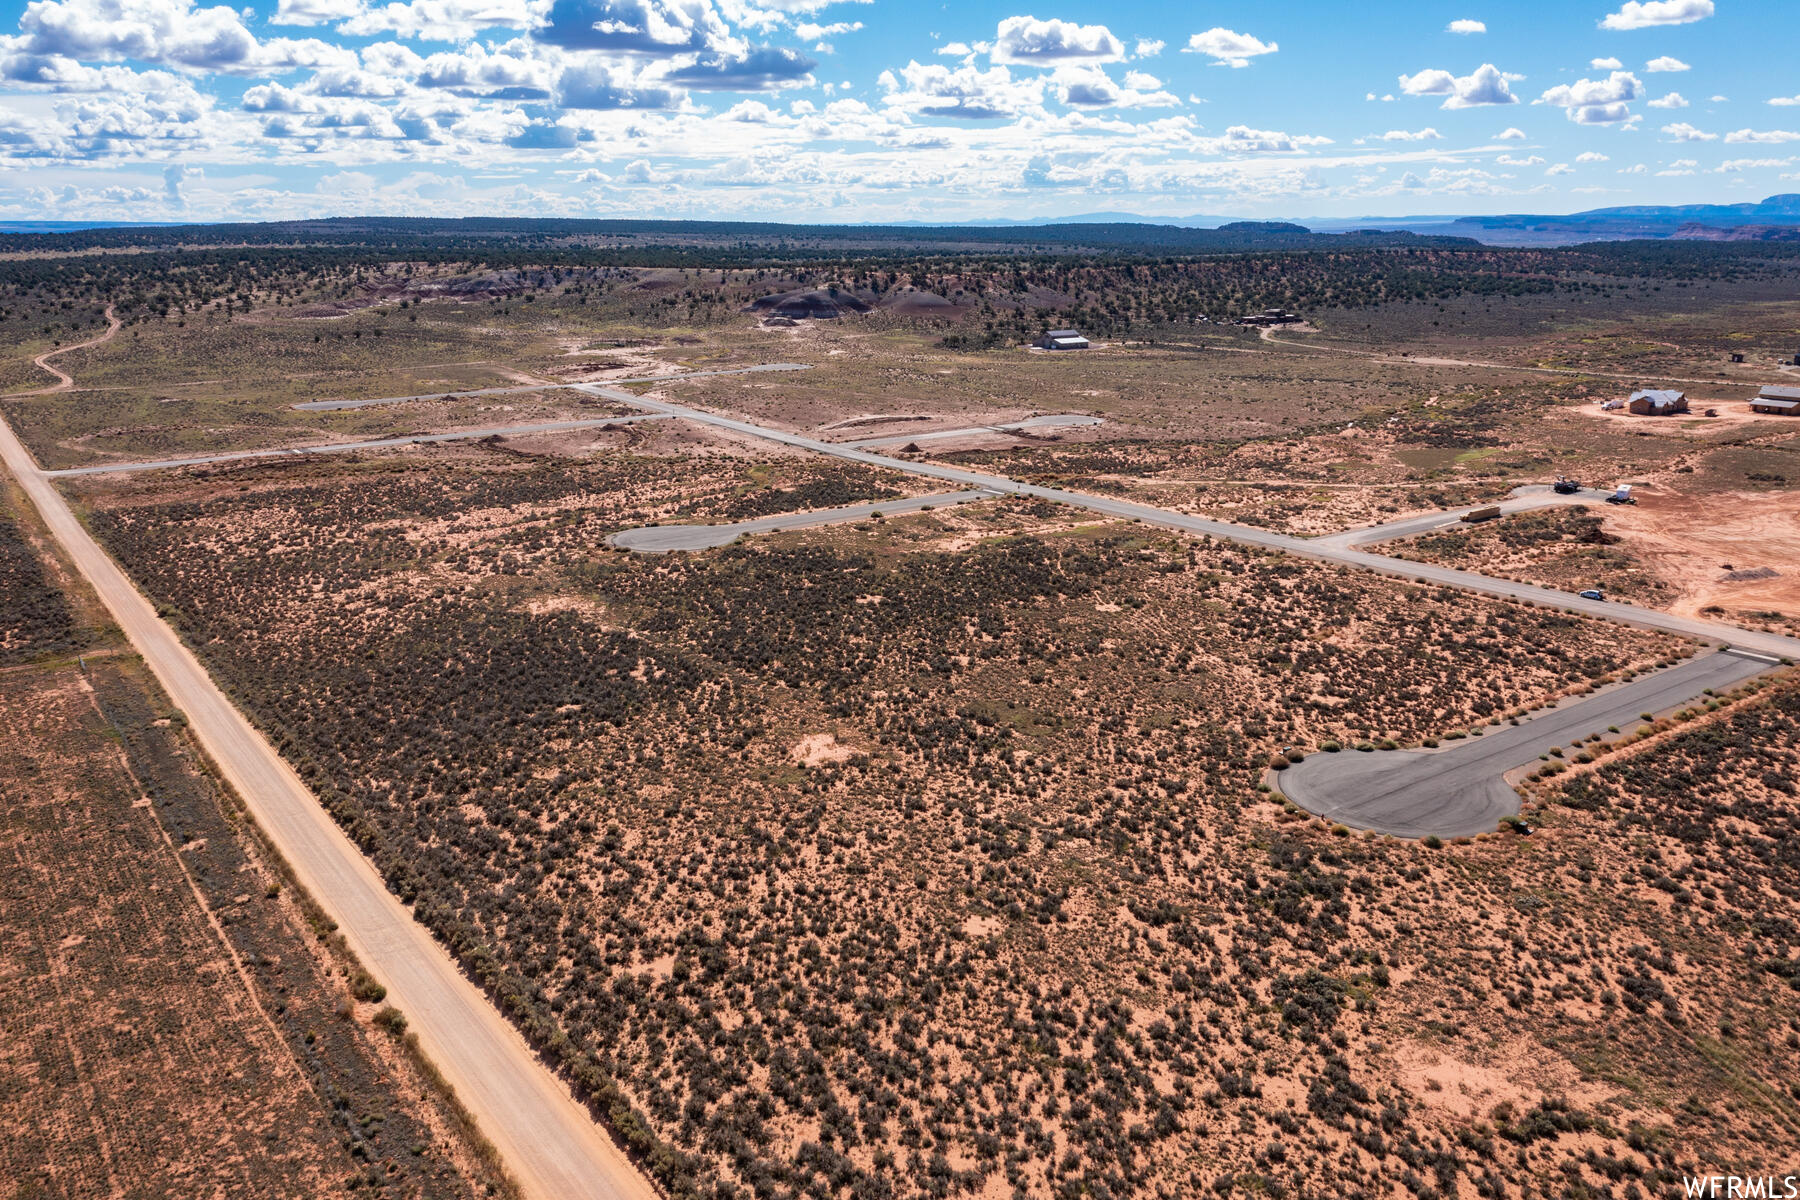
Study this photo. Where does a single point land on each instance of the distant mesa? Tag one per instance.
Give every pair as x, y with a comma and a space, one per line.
1694, 231
1262, 227
818, 304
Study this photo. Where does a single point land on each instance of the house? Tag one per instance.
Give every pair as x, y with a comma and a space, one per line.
1657, 402
1777, 401
1271, 316
1062, 339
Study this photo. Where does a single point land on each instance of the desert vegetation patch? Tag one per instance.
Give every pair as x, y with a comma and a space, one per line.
1034, 929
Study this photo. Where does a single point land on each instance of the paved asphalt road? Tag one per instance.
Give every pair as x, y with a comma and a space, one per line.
655, 539
164, 464
1524, 499
546, 1139
1112, 506
1460, 790
1051, 421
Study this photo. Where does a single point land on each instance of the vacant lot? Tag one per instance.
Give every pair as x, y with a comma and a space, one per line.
36, 620
1567, 548
930, 851
176, 1025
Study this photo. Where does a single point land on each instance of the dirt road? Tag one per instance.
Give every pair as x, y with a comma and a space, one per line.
64, 380
548, 1141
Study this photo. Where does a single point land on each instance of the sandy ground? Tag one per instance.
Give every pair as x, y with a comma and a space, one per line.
1695, 541
1731, 415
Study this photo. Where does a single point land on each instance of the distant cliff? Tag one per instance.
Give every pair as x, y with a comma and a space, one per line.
1694, 231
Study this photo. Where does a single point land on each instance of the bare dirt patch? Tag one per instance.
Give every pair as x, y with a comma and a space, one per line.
816, 749
1737, 550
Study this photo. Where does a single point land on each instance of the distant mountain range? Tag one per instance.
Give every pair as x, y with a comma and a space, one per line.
1774, 219
66, 226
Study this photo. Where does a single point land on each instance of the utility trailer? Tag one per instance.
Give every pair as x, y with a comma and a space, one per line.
1476, 515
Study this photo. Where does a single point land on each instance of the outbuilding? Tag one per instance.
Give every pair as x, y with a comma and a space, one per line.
1657, 402
1062, 339
1777, 401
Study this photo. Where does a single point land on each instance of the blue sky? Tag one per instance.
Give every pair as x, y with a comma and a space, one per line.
835, 110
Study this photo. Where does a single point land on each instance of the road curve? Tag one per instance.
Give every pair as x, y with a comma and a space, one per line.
1461, 790
548, 1141
1111, 506
658, 539
65, 381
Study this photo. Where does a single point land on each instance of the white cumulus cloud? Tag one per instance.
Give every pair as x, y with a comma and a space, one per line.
1092, 87
1241, 139
1592, 156
1232, 49
965, 92
1764, 137
1484, 86
1681, 131
1596, 101
1606, 64
1666, 63
1029, 40
175, 33
1643, 14
1464, 25
1408, 135
1672, 100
